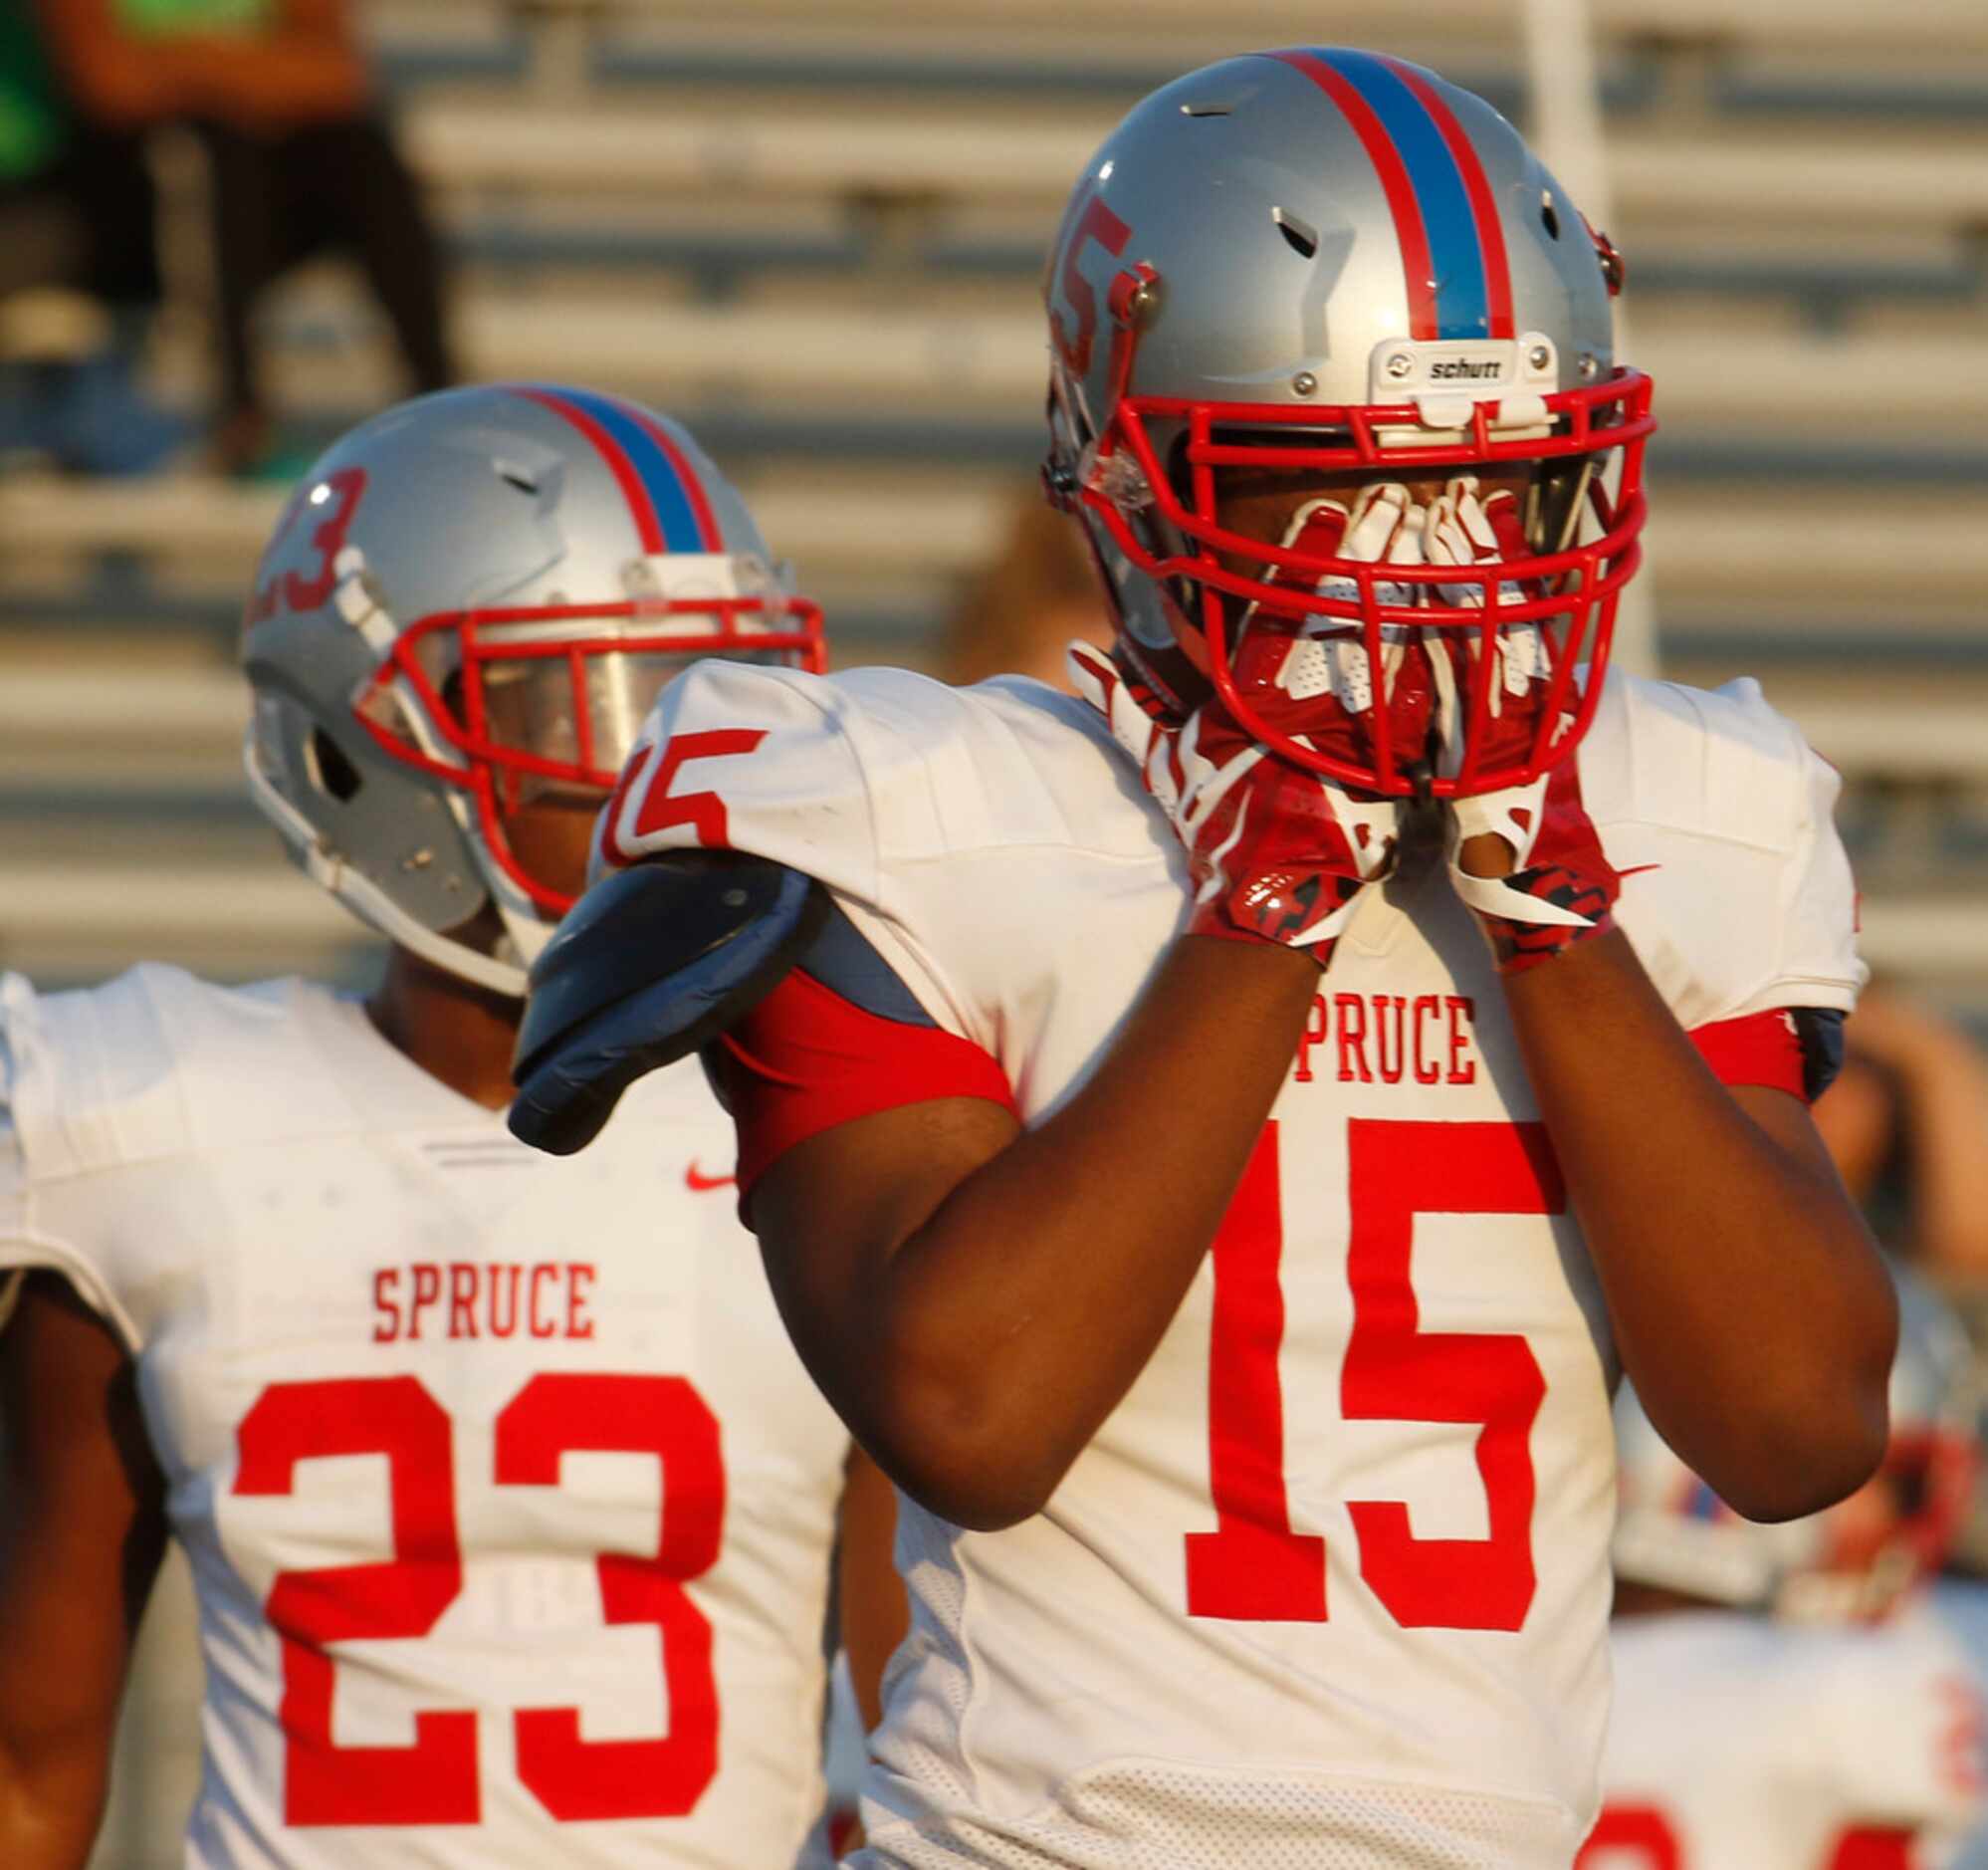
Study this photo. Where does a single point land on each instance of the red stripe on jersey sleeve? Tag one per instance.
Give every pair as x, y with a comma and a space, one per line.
1758, 1048
805, 1060
1873, 1847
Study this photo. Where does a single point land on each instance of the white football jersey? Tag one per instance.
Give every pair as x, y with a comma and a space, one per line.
509, 1505
1330, 1586
1740, 1744
1959, 1608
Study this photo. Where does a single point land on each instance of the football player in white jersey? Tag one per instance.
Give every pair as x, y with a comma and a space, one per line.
1226, 1247
509, 1505
1788, 1695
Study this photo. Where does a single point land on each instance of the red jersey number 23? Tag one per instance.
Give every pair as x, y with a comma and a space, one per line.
438, 1780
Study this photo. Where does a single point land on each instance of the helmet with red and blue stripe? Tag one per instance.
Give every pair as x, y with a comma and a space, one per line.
471, 601
1335, 265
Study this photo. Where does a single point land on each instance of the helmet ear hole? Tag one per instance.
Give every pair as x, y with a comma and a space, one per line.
331, 772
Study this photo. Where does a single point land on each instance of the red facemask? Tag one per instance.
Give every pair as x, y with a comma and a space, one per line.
531, 701
1535, 584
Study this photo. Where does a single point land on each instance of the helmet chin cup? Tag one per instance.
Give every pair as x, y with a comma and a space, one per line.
312, 852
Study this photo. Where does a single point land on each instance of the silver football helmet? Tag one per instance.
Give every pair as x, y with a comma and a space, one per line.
472, 599
1317, 261
1673, 1532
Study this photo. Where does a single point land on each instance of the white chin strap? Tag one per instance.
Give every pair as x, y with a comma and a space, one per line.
372, 905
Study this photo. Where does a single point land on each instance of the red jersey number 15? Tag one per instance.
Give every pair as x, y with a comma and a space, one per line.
1253, 1567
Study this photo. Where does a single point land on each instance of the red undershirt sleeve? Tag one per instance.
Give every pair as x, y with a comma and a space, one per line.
1757, 1049
806, 1060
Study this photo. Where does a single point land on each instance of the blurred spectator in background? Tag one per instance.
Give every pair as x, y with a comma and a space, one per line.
79, 273
1908, 1123
1037, 592
300, 161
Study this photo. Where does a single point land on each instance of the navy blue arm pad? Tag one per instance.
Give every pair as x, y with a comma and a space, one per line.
1820, 1031
652, 962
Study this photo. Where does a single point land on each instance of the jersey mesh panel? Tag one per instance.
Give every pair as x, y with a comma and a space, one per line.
922, 1738
1152, 1818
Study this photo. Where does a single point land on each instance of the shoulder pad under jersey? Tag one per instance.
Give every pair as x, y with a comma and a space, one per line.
148, 1071
653, 961
856, 778
1736, 893
147, 1066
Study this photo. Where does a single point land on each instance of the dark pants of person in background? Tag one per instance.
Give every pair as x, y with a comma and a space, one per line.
97, 204
280, 201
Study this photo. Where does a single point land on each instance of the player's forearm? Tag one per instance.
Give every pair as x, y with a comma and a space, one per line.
1749, 1306
50, 1802
980, 1355
58, 1698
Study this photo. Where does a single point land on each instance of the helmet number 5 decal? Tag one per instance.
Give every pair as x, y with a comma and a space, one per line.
1253, 1567
1100, 224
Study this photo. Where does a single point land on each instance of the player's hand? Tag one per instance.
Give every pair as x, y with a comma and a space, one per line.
1464, 527
1526, 859
1313, 678
1275, 854
1531, 865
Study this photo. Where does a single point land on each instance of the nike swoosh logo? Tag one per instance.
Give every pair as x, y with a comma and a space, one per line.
699, 1183
1637, 870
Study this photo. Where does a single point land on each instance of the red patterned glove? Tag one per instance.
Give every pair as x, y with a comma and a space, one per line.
1561, 887
1275, 854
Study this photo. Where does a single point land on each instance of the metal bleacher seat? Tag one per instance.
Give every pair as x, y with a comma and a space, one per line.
1809, 24
472, 144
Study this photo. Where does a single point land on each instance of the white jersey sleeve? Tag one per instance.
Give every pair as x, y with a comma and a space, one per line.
1736, 893
880, 783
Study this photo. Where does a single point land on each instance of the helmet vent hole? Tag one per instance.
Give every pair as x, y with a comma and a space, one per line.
511, 475
331, 772
1548, 215
1299, 235
1206, 110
